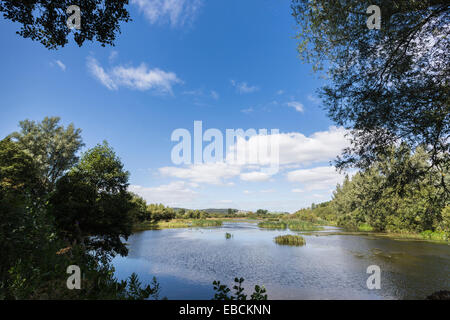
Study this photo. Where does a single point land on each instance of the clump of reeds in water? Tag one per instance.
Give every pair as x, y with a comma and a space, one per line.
228, 235
272, 225
297, 225
206, 223
290, 240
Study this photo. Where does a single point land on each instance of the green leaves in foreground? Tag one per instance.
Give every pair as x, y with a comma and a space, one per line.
223, 292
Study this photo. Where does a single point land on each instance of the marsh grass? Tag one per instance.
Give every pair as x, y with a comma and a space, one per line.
206, 223
290, 240
172, 224
272, 225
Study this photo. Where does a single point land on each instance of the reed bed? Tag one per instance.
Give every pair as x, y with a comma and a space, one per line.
272, 225
298, 225
290, 240
206, 223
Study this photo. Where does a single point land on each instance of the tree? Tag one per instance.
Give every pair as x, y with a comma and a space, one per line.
91, 204
261, 211
45, 21
52, 147
386, 86
17, 176
138, 212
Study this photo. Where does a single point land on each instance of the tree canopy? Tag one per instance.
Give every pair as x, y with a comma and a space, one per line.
387, 86
52, 147
45, 21
91, 204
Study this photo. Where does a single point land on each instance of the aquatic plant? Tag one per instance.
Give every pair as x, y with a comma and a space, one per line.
298, 225
206, 223
272, 225
290, 240
228, 235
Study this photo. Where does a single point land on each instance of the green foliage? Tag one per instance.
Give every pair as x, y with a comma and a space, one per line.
158, 212
55, 213
206, 223
138, 212
45, 21
365, 227
272, 225
290, 240
228, 235
262, 212
296, 225
223, 292
390, 197
91, 204
387, 86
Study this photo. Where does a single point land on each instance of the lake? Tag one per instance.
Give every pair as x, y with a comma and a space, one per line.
187, 261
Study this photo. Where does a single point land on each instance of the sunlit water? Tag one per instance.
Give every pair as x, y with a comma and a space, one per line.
187, 261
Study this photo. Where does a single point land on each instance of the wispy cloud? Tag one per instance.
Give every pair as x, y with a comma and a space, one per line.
247, 111
243, 87
296, 105
176, 12
138, 78
319, 178
60, 64
315, 100
214, 95
176, 193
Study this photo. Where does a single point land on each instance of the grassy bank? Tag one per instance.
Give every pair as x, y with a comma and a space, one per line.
272, 225
297, 225
176, 223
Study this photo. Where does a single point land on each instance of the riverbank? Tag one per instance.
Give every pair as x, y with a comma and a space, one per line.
311, 228
182, 223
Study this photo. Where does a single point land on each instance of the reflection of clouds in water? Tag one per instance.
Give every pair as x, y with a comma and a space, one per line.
327, 265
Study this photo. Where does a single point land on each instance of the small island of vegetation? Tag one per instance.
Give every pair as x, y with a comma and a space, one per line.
290, 240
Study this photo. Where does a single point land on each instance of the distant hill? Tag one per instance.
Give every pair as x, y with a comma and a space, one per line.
210, 210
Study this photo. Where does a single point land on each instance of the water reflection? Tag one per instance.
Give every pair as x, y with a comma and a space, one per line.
186, 261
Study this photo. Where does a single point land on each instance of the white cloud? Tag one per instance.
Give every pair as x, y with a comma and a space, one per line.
243, 87
319, 178
139, 78
176, 12
297, 190
279, 92
255, 176
296, 105
98, 72
113, 56
295, 148
268, 191
247, 111
211, 173
61, 65
174, 194
315, 100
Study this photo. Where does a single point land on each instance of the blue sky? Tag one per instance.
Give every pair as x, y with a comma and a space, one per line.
230, 64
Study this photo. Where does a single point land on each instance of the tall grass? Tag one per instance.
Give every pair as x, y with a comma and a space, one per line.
272, 225
290, 240
206, 223
298, 225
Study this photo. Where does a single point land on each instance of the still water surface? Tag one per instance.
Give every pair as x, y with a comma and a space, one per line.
187, 261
